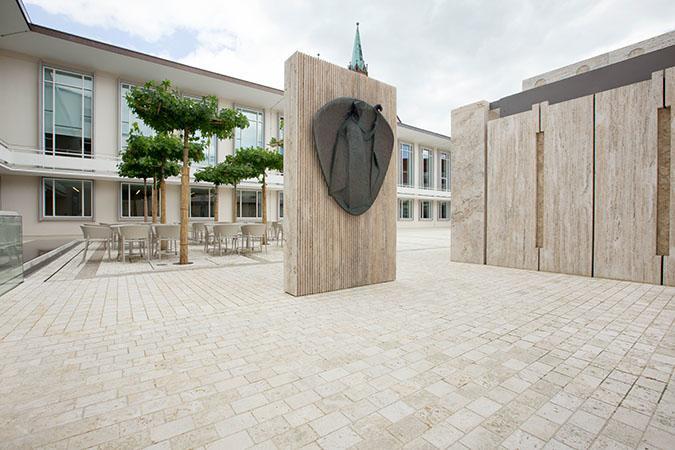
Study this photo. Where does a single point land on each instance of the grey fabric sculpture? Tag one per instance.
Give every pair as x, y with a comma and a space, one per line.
354, 144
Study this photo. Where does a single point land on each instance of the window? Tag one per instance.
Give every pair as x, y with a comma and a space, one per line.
404, 209
443, 210
280, 133
405, 165
66, 113
444, 171
281, 204
249, 204
211, 147
132, 195
202, 202
128, 117
66, 198
425, 209
254, 135
427, 168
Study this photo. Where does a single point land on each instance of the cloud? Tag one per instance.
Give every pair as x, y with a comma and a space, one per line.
439, 54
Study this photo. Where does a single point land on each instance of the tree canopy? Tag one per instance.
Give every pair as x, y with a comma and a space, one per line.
228, 172
260, 160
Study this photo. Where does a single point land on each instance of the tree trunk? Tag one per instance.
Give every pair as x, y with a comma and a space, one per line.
264, 205
235, 204
145, 199
184, 199
154, 200
215, 204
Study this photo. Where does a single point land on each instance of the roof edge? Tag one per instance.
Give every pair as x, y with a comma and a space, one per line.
46, 31
422, 130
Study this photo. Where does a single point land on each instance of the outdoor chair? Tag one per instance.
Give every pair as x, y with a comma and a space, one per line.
168, 233
252, 233
226, 232
198, 231
96, 233
280, 233
135, 234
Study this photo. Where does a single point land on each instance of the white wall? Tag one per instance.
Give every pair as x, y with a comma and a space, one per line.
19, 94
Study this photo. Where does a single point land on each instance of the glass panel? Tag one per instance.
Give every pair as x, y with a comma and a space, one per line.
426, 168
48, 197
253, 135
68, 119
247, 204
11, 263
68, 198
86, 186
48, 117
69, 79
258, 197
128, 118
48, 74
136, 200
425, 209
281, 205
125, 200
200, 200
405, 165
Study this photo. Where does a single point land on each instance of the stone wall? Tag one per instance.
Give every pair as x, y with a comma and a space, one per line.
581, 187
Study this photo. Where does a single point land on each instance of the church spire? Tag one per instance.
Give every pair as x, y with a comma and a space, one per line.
358, 64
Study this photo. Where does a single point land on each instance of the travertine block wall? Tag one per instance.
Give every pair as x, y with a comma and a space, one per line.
467, 209
581, 187
325, 247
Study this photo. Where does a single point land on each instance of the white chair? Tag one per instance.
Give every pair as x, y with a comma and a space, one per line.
96, 233
225, 232
280, 233
135, 234
252, 233
168, 233
198, 231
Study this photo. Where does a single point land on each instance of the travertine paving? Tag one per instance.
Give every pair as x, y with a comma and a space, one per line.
448, 356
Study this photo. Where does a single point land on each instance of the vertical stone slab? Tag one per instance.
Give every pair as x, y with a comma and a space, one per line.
567, 205
326, 248
512, 190
467, 178
625, 183
669, 261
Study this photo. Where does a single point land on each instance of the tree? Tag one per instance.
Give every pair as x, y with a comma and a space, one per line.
136, 163
164, 109
227, 172
260, 160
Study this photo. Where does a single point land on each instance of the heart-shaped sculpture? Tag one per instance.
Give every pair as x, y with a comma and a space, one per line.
354, 143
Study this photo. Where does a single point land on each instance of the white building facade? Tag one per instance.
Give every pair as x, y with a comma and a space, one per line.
64, 122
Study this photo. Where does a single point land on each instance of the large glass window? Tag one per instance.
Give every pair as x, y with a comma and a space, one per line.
404, 208
128, 117
444, 171
132, 195
254, 135
427, 168
281, 204
443, 210
425, 209
202, 202
249, 204
405, 165
66, 198
66, 112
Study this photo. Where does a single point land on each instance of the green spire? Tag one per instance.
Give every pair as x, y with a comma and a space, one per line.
358, 64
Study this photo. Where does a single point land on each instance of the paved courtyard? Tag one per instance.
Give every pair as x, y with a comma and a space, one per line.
450, 355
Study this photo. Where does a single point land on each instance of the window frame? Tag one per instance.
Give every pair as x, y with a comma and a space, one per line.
430, 152
121, 104
212, 198
258, 204
411, 169
438, 212
120, 212
431, 210
42, 122
441, 158
411, 208
237, 131
54, 217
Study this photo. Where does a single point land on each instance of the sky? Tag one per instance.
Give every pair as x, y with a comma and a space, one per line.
439, 54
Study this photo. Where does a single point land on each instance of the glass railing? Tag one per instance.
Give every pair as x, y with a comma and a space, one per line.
11, 252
